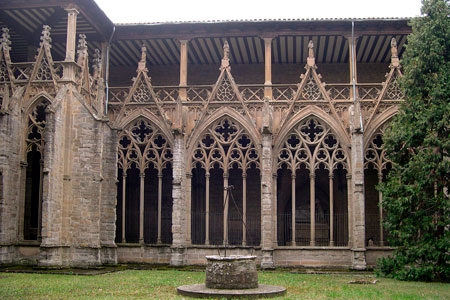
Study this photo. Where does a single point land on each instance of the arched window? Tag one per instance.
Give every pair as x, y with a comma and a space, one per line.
312, 195
144, 195
225, 187
34, 152
376, 168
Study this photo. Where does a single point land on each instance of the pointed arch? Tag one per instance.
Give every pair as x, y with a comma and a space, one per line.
144, 192
29, 123
42, 96
311, 161
311, 111
33, 151
145, 114
199, 129
224, 171
379, 121
376, 167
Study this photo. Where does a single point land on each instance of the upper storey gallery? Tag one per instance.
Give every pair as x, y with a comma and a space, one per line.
261, 51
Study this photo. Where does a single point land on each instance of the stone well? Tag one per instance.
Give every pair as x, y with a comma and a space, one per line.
231, 272
231, 277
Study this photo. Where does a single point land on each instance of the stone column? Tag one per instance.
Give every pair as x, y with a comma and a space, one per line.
331, 209
350, 209
160, 178
266, 201
380, 199
69, 66
312, 203
141, 207
274, 210
293, 196
41, 175
268, 67
188, 207
207, 175
183, 68
358, 216
179, 224
124, 196
244, 208
357, 172
226, 202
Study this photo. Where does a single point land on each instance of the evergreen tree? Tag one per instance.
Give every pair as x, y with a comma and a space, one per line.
416, 192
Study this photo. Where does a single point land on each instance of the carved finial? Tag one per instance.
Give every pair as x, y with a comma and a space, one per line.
97, 58
5, 38
394, 47
45, 36
394, 53
97, 63
143, 53
311, 49
226, 50
311, 60
142, 62
226, 56
82, 45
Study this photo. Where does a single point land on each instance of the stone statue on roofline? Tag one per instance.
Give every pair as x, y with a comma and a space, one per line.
226, 56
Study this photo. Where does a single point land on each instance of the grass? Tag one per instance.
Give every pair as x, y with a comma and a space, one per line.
161, 284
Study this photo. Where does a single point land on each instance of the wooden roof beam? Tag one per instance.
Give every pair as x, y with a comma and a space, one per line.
52, 20
17, 27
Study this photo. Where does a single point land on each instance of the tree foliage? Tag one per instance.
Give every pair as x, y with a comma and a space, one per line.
416, 192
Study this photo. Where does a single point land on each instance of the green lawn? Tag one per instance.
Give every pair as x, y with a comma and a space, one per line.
161, 284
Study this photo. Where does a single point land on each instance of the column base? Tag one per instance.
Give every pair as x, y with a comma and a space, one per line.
177, 257
359, 259
267, 259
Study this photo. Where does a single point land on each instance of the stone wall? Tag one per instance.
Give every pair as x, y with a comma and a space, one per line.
144, 254
313, 257
10, 141
317, 257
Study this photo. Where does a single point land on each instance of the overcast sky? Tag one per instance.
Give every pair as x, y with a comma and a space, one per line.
134, 11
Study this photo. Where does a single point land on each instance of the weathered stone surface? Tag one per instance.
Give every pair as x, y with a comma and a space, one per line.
231, 272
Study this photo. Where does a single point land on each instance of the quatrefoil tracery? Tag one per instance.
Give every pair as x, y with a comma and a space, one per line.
375, 155
313, 145
36, 128
225, 144
142, 145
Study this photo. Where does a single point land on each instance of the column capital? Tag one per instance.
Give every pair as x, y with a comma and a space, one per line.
348, 176
183, 40
331, 174
349, 36
268, 36
72, 9
142, 174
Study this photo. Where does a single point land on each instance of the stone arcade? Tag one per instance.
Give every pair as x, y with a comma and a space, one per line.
118, 142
